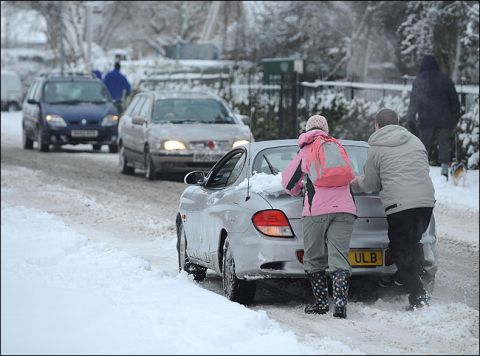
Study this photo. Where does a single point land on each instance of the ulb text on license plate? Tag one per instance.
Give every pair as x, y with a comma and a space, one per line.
365, 258
84, 133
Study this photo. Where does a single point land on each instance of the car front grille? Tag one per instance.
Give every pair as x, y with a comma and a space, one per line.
79, 122
221, 145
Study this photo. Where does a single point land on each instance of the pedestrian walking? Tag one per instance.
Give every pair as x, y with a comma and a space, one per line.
435, 101
328, 214
117, 85
397, 167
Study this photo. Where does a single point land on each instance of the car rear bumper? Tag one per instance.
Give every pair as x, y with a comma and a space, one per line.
259, 257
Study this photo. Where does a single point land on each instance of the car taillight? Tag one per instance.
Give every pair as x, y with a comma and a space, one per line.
272, 223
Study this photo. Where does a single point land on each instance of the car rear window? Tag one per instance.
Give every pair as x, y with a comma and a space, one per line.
75, 92
274, 160
180, 111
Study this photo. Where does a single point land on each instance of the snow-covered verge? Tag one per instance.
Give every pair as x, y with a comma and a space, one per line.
62, 294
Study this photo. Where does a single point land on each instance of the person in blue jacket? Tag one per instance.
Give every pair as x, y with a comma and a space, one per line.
117, 84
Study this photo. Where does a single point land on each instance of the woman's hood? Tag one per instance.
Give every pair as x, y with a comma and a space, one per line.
307, 138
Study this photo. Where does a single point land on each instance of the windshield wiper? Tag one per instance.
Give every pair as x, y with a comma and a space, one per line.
95, 101
272, 168
67, 102
185, 121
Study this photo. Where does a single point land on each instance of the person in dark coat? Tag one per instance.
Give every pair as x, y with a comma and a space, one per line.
435, 101
116, 84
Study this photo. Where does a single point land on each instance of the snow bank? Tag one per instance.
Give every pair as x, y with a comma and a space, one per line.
454, 323
459, 199
62, 294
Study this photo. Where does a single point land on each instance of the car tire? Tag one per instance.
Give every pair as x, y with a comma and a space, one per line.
199, 272
13, 106
122, 161
113, 148
27, 142
42, 146
97, 147
235, 289
150, 173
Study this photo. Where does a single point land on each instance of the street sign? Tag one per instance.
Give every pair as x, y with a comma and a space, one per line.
273, 68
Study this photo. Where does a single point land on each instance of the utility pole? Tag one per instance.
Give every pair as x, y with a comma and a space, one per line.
88, 20
62, 54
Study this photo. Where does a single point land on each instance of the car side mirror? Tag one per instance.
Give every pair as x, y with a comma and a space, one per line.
138, 120
195, 178
245, 119
32, 101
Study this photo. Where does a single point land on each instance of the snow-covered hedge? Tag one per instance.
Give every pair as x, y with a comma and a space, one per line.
468, 136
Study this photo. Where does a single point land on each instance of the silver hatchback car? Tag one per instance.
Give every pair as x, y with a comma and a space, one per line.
238, 221
176, 132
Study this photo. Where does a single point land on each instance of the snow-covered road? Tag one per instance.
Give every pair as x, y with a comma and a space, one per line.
89, 266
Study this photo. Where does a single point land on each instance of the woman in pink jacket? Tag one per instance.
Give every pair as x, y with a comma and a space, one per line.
328, 217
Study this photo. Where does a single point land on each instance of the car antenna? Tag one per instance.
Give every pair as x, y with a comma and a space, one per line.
252, 111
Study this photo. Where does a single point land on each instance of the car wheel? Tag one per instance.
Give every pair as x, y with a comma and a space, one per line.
122, 161
42, 146
199, 272
96, 147
13, 107
27, 142
149, 166
235, 289
113, 148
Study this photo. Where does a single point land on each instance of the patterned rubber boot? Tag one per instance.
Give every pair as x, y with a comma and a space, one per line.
419, 300
318, 280
340, 292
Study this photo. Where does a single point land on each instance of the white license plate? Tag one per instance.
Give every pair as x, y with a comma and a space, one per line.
206, 156
84, 133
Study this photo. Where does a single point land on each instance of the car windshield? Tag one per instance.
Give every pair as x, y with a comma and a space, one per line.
179, 111
274, 160
75, 93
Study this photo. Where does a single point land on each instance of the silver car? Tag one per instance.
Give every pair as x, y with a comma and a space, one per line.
177, 132
245, 232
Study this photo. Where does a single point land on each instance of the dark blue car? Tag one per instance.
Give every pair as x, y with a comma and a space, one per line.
69, 109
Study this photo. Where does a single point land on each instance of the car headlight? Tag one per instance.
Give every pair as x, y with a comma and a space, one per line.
171, 145
239, 142
55, 121
110, 120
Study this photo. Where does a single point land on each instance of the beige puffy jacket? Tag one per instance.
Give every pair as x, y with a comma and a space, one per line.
397, 167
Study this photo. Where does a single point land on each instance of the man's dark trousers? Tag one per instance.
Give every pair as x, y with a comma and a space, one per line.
405, 229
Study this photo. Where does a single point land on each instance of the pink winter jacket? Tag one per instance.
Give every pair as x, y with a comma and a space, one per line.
318, 200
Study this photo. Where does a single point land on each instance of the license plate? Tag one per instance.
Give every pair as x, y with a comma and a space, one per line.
84, 133
365, 258
206, 156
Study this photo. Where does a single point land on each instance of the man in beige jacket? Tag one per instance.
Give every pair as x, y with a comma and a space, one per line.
397, 167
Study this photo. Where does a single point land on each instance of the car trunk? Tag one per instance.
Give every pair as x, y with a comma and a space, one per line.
371, 216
